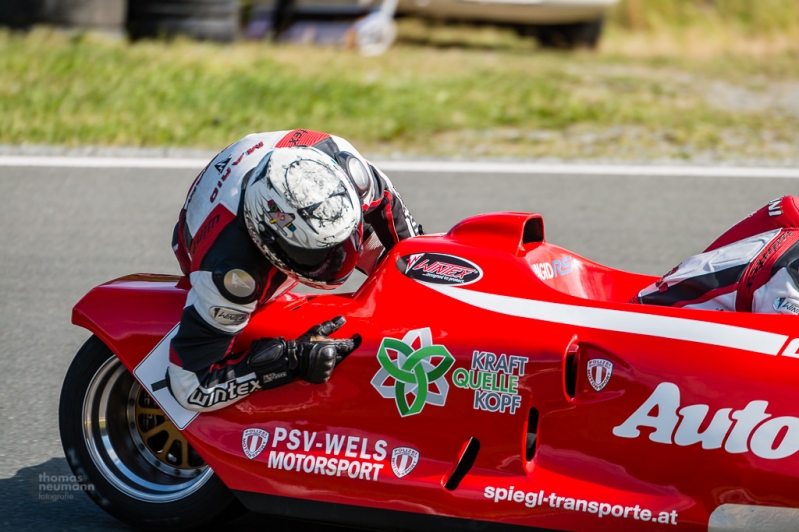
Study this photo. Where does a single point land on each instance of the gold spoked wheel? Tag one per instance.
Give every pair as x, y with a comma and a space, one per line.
160, 436
134, 445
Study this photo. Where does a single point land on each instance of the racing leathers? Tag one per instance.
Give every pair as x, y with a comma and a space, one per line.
231, 278
750, 268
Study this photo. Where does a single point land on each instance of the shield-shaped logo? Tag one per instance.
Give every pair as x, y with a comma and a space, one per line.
403, 460
599, 371
253, 442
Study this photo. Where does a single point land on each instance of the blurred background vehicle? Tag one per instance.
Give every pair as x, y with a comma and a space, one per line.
563, 24
554, 23
366, 24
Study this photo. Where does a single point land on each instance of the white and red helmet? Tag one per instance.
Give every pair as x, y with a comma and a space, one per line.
304, 213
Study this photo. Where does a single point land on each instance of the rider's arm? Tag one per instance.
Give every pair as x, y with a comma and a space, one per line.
752, 267
386, 221
227, 285
386, 218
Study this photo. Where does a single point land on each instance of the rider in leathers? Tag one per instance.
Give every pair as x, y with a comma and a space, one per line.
753, 267
270, 210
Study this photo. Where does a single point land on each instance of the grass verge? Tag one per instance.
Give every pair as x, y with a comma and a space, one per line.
644, 95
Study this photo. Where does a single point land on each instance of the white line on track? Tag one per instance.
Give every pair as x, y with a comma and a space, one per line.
102, 162
453, 167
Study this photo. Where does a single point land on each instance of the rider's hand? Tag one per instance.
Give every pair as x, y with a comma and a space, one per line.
317, 354
312, 356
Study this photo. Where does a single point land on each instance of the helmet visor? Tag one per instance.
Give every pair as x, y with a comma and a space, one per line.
331, 265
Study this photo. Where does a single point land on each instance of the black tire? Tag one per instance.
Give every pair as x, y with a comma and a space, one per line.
90, 14
566, 36
22, 14
183, 8
96, 14
214, 20
204, 30
96, 384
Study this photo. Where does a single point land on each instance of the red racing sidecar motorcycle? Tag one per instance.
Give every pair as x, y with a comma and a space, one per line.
503, 383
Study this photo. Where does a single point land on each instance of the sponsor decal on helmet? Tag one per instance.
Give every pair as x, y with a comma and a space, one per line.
280, 219
239, 283
228, 316
331, 454
599, 372
749, 429
438, 268
253, 441
494, 379
414, 371
403, 460
306, 199
549, 499
549, 270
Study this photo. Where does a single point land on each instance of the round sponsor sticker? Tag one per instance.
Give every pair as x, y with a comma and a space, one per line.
438, 268
239, 283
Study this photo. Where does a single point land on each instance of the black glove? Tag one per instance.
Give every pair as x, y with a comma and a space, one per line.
318, 355
270, 361
312, 356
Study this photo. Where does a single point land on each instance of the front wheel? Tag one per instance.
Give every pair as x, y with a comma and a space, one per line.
128, 456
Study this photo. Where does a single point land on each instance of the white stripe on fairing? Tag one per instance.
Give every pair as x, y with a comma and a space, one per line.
621, 321
461, 167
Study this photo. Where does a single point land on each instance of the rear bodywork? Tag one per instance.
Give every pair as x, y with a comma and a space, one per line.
502, 380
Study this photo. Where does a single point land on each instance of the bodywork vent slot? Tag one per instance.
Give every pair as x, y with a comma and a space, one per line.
532, 433
466, 460
571, 361
570, 375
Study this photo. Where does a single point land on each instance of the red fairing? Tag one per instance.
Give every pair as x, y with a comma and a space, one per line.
638, 417
131, 314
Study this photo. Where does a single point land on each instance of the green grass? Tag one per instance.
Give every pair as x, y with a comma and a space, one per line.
750, 17
493, 94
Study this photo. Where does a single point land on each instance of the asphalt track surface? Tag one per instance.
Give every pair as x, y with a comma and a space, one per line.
65, 230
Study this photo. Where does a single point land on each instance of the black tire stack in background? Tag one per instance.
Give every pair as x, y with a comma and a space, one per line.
21, 13
214, 20
102, 15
